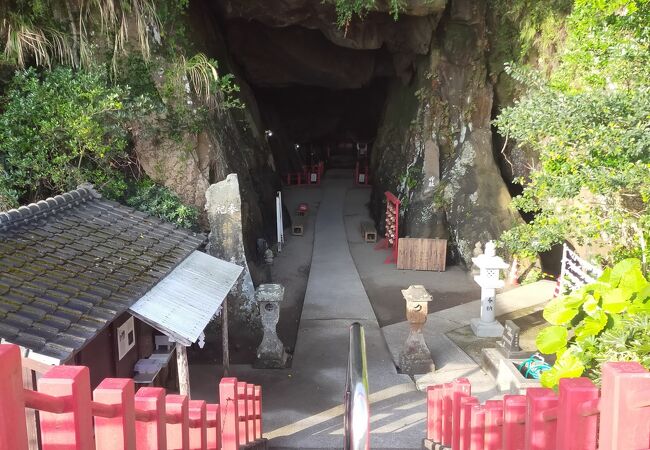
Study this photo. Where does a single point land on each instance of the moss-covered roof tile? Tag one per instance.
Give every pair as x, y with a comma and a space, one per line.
70, 265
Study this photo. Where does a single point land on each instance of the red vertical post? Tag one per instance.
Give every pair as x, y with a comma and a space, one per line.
436, 414
73, 429
214, 430
13, 428
250, 406
462, 388
494, 425
447, 411
242, 413
151, 434
514, 422
466, 404
229, 414
477, 427
624, 407
198, 435
178, 433
258, 412
430, 399
116, 433
575, 429
541, 426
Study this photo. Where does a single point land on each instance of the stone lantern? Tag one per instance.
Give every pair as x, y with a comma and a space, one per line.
270, 353
415, 357
489, 266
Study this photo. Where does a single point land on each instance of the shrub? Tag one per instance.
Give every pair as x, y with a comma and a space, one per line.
59, 129
583, 323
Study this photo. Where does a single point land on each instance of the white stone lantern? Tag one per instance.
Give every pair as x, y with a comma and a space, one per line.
489, 266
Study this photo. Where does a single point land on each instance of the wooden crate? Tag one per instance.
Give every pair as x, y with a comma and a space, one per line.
422, 254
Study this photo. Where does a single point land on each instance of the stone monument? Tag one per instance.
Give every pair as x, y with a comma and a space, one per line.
415, 357
226, 241
489, 265
508, 345
270, 353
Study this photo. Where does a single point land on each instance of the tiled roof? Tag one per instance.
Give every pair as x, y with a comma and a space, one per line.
71, 264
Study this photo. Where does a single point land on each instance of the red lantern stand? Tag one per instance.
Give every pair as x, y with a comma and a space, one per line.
391, 237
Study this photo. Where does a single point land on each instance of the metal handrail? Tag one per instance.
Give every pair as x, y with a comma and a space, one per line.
357, 409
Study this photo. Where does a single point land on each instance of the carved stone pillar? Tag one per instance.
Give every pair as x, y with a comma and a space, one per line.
270, 353
415, 357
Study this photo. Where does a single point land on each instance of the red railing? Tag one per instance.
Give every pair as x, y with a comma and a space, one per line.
310, 175
115, 417
578, 417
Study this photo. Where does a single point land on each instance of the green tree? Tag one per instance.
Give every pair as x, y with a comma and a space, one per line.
590, 125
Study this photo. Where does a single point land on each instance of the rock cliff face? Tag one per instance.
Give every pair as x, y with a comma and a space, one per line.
435, 143
233, 142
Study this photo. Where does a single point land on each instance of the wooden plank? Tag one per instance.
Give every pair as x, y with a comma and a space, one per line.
422, 254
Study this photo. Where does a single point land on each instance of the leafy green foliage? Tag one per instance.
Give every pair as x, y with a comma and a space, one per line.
346, 10
159, 201
627, 340
579, 319
61, 128
58, 129
590, 125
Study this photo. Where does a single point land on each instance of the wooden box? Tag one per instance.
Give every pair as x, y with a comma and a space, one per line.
422, 254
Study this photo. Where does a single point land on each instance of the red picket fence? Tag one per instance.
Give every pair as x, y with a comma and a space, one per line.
123, 419
578, 417
310, 175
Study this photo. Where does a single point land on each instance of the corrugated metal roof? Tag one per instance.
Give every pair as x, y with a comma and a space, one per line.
182, 304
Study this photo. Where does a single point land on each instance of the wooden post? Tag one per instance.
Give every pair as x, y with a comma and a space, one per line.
13, 431
183, 370
118, 432
224, 337
74, 428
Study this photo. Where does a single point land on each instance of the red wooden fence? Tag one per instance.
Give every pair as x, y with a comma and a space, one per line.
578, 417
115, 417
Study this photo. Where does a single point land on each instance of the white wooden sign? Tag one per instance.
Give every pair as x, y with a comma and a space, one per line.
125, 338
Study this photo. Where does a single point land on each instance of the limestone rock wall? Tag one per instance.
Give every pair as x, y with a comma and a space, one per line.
232, 142
435, 146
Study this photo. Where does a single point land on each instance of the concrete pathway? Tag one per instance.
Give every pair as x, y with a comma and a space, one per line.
303, 406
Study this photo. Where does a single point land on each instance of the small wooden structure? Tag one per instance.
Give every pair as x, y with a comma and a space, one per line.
422, 254
369, 232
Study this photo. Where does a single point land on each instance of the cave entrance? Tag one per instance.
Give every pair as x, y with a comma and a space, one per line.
319, 91
313, 124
